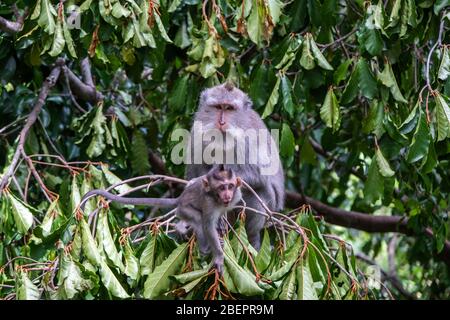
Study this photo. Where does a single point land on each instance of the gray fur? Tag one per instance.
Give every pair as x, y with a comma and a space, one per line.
269, 187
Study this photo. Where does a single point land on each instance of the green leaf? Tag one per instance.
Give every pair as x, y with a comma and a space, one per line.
190, 276
85, 5
341, 72
383, 165
287, 143
439, 5
107, 241
286, 87
46, 17
68, 40
158, 282
288, 291
161, 28
411, 121
367, 82
25, 289
255, 26
273, 99
174, 5
97, 144
351, 90
58, 40
23, 218
148, 256
374, 185
372, 41
307, 59
329, 112
305, 283
46, 225
262, 259
37, 10
119, 11
75, 197
275, 7
395, 13
420, 142
89, 246
70, 277
177, 98
139, 154
443, 117
243, 280
444, 68
131, 263
320, 59
287, 261
86, 186
388, 79
113, 179
373, 123
111, 283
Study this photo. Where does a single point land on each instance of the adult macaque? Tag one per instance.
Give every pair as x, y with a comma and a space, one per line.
200, 206
228, 110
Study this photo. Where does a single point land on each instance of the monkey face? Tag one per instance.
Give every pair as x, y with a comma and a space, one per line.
226, 192
222, 105
223, 185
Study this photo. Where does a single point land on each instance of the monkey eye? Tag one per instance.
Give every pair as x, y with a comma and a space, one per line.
218, 106
230, 186
229, 107
222, 187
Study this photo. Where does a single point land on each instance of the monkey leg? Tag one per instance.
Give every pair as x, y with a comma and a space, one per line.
212, 236
193, 218
183, 230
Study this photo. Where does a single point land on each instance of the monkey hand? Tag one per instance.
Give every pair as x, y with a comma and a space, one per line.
218, 264
183, 230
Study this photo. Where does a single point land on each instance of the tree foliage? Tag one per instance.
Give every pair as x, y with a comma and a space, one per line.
92, 90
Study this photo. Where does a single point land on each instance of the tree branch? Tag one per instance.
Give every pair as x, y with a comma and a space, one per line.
31, 119
362, 221
396, 283
348, 219
85, 91
14, 26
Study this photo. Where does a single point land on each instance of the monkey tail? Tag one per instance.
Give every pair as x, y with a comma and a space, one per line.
160, 202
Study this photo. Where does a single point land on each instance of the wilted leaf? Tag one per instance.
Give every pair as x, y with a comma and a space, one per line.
23, 217
89, 246
158, 281
383, 165
25, 289
244, 280
443, 117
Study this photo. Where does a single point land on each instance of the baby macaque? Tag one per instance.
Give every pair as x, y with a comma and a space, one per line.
204, 202
200, 206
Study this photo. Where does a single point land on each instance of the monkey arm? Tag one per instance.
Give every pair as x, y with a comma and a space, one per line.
163, 202
212, 237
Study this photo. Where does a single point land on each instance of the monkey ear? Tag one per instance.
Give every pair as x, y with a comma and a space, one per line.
229, 85
205, 184
248, 104
238, 182
203, 96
